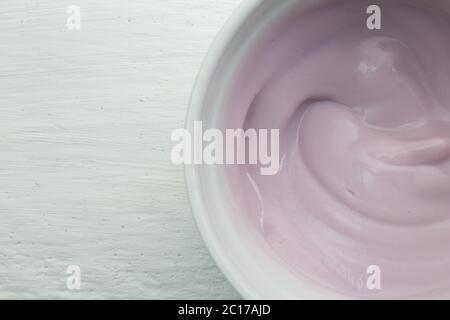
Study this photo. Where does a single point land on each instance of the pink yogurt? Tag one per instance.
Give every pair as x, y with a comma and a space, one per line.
364, 120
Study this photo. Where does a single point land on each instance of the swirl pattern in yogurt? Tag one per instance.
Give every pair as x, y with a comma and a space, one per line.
364, 119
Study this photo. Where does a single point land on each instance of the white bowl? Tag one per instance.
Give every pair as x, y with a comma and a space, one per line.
240, 251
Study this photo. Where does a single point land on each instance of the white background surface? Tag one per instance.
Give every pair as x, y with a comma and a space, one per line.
85, 171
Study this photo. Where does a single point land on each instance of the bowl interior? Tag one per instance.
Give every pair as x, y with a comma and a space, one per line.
238, 248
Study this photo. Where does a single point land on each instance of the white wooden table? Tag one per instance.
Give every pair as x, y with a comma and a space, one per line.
85, 172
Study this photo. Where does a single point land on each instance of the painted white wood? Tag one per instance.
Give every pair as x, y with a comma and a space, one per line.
85, 171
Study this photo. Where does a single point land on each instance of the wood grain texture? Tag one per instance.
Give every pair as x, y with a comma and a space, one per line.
85, 171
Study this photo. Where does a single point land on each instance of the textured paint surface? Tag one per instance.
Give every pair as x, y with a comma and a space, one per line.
85, 171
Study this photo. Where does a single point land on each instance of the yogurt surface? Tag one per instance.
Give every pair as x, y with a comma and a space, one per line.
364, 119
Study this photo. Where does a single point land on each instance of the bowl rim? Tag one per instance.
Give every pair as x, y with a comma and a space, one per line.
215, 52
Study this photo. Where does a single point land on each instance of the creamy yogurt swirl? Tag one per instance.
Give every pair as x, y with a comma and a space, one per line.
364, 119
